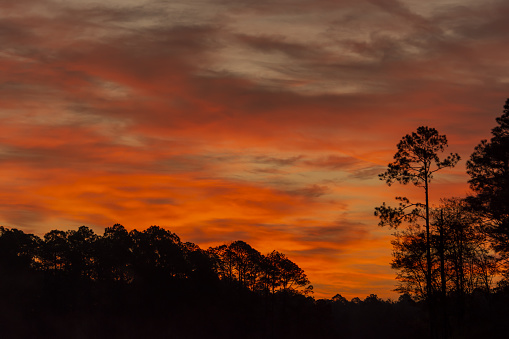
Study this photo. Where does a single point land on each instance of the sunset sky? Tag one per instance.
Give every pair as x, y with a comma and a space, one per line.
223, 120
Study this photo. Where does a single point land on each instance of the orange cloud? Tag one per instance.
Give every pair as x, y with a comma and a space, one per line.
205, 121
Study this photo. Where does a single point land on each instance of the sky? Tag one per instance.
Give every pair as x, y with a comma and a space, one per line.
222, 120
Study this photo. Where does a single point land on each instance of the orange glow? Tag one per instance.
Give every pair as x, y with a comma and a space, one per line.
223, 131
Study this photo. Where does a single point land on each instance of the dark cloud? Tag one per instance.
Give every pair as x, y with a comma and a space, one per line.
159, 201
278, 44
398, 8
267, 171
367, 173
22, 215
334, 162
342, 232
278, 161
482, 22
313, 191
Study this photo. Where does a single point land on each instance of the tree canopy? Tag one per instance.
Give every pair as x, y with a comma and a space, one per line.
488, 168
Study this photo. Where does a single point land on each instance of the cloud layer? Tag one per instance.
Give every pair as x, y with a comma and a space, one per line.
227, 120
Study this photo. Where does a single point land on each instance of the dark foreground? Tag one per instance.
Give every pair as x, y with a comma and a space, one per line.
149, 284
34, 306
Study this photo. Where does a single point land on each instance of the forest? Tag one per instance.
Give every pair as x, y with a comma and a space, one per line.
450, 261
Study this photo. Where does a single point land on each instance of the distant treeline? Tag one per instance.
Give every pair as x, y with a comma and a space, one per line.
143, 284
154, 254
150, 284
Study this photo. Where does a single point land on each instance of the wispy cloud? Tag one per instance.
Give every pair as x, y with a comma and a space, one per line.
239, 119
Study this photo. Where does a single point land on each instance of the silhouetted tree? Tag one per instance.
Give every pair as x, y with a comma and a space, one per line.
415, 162
338, 298
158, 253
409, 252
18, 250
55, 252
488, 168
82, 252
115, 255
238, 262
280, 272
223, 261
246, 263
460, 257
200, 263
470, 263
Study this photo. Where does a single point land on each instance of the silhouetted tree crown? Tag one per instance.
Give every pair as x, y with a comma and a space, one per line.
488, 168
417, 158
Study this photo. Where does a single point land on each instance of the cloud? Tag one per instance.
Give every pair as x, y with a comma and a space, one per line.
313, 191
228, 120
277, 161
334, 162
277, 44
367, 173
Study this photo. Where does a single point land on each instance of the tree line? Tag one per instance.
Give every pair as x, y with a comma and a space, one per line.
152, 254
148, 283
137, 284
